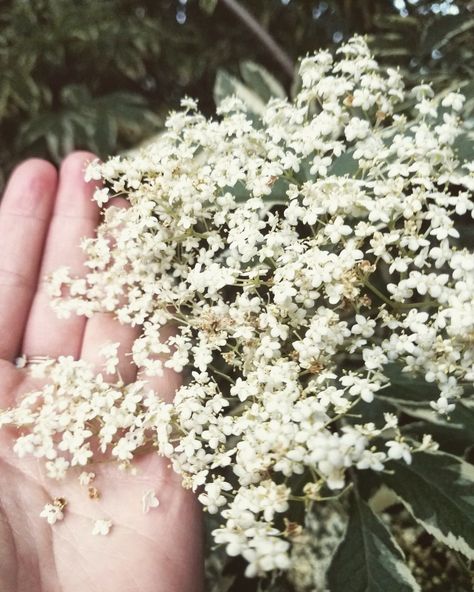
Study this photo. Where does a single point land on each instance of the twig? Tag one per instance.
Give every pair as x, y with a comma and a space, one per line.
267, 40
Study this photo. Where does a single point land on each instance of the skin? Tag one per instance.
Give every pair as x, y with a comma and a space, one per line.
43, 216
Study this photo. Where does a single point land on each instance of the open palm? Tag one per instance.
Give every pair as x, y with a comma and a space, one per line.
42, 220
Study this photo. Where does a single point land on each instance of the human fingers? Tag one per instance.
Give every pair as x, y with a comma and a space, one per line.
25, 214
75, 217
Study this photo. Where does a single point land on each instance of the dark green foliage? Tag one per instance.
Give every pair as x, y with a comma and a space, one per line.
368, 559
102, 75
438, 490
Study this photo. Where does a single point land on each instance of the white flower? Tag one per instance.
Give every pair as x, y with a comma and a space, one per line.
391, 421
266, 554
357, 129
453, 100
363, 326
52, 513
101, 527
399, 450
149, 501
337, 229
109, 352
101, 196
86, 478
422, 91
428, 443
360, 387
56, 469
212, 498
442, 405
93, 171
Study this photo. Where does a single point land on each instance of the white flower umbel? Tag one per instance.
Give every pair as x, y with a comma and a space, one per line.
291, 282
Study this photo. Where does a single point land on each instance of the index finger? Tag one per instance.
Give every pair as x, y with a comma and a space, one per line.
75, 217
25, 213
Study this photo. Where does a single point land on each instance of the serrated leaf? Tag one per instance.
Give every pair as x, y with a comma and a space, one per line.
413, 395
368, 559
438, 490
261, 81
227, 85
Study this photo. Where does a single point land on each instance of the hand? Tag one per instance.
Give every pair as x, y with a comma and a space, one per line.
42, 219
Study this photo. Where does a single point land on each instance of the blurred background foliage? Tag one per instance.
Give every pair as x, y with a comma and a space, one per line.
101, 75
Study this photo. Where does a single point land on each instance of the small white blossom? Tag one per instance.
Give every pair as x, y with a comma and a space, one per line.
52, 513
442, 406
454, 100
86, 478
357, 129
101, 527
101, 196
149, 501
399, 450
109, 352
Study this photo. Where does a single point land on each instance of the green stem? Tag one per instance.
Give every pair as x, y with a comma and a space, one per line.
221, 374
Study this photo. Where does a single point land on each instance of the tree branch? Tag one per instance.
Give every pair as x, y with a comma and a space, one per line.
278, 53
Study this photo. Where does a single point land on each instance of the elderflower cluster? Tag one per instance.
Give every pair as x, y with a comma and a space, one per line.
291, 285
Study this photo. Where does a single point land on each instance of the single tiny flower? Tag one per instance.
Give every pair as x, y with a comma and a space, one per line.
399, 450
149, 501
101, 527
52, 513
86, 478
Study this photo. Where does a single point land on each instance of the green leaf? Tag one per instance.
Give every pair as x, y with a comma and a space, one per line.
208, 6
463, 145
368, 559
86, 121
277, 195
75, 95
4, 95
131, 64
413, 395
261, 81
105, 134
453, 438
369, 412
438, 489
344, 165
406, 386
24, 91
227, 85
